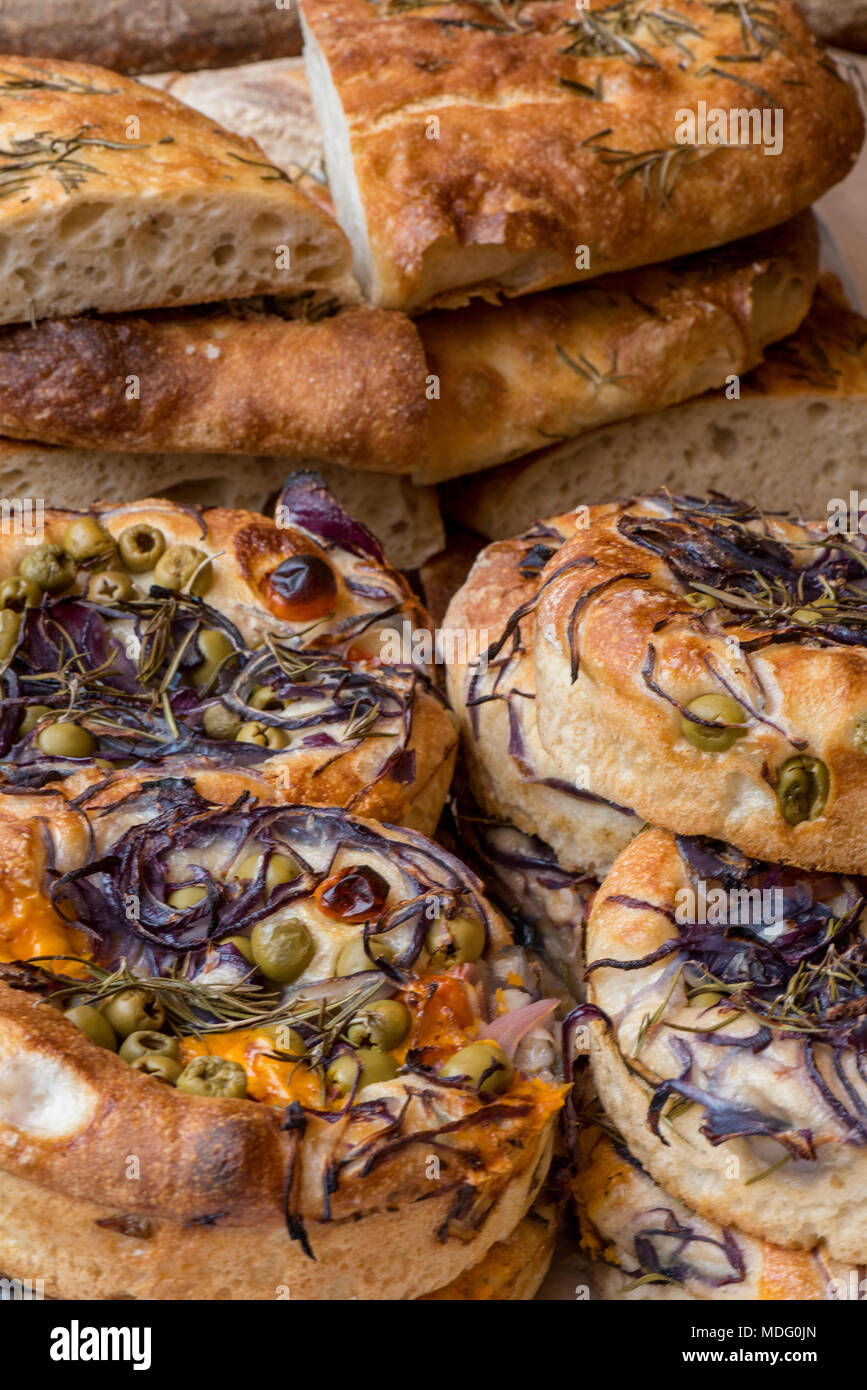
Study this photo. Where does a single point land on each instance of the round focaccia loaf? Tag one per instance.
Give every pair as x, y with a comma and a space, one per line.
492, 688
406, 518
469, 154
427, 1171
162, 677
335, 588
728, 1049
514, 1268
665, 1249
119, 197
797, 430
655, 604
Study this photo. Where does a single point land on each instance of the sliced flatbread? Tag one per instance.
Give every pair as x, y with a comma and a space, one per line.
114, 196
475, 147
347, 388
798, 432
514, 378
150, 34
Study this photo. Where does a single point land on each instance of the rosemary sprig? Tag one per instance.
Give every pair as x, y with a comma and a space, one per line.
30, 158
591, 373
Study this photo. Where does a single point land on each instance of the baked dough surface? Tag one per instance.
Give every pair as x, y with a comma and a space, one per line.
620, 654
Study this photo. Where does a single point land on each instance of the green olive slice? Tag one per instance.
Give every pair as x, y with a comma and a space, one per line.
282, 949
715, 709
85, 539
18, 593
366, 1065
176, 567
146, 1042
140, 547
133, 1011
213, 1076
484, 1065
159, 1065
382, 1025
266, 735
454, 941
803, 784
110, 586
48, 566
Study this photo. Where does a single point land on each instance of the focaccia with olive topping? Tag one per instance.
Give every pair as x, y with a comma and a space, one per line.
706, 665
477, 150
111, 658
727, 1035
313, 1039
114, 196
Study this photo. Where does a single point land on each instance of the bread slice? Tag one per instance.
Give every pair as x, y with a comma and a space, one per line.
405, 518
150, 34
347, 388
798, 434
843, 22
267, 102
477, 148
551, 366
114, 196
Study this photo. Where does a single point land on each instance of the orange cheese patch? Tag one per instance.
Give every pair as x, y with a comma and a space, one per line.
268, 1080
29, 926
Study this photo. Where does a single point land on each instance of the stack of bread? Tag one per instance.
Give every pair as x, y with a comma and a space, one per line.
679, 685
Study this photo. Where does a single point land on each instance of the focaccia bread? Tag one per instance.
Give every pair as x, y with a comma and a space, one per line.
843, 22
151, 33
304, 1054
267, 102
546, 367
655, 1246
406, 518
472, 151
797, 430
492, 689
728, 1043
116, 196
134, 635
348, 388
704, 663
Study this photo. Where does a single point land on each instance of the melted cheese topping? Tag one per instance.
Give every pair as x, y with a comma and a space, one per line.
30, 926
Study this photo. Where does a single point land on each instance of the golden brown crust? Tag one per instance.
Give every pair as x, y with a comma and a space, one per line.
147, 38
554, 366
348, 389
510, 774
771, 1101
513, 1269
525, 168
619, 654
620, 1206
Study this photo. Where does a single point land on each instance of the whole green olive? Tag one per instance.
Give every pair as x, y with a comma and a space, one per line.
213, 1076
353, 958
454, 941
85, 539
384, 1025
803, 784
241, 944
18, 593
146, 1042
474, 1061
266, 735
140, 547
264, 697
367, 1065
157, 1064
218, 721
32, 715
134, 1011
91, 1022
281, 869
186, 897
215, 648
47, 566
110, 586
10, 626
175, 569
718, 709
65, 739
281, 949
702, 603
